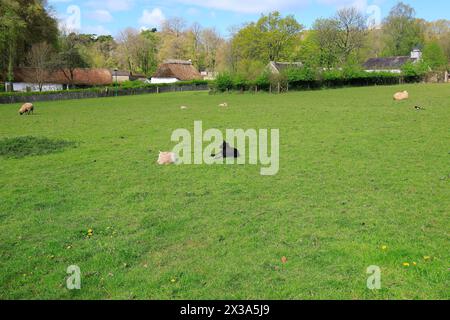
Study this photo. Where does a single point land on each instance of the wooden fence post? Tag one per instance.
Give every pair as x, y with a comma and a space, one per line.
279, 87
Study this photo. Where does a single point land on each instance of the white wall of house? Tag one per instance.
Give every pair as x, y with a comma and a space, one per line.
164, 80
120, 79
22, 87
397, 71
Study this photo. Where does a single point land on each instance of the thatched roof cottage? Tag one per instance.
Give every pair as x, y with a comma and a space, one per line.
175, 70
25, 80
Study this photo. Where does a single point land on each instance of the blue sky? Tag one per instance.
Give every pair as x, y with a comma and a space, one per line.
111, 16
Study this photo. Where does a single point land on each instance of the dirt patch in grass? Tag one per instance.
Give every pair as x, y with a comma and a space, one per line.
21, 147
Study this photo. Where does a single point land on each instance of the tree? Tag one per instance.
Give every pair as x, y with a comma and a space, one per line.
39, 58
271, 38
22, 24
137, 51
12, 28
69, 57
340, 38
324, 35
434, 56
352, 32
211, 42
402, 30
439, 31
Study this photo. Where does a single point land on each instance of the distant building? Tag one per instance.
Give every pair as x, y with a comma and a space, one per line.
392, 64
120, 76
57, 80
175, 70
277, 67
208, 75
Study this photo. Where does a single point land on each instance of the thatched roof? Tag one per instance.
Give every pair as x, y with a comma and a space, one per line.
389, 63
82, 77
278, 67
179, 69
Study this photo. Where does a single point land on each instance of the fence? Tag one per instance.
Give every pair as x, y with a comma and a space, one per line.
100, 93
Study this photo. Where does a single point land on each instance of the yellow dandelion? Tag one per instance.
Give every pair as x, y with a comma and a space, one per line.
173, 280
406, 264
414, 264
384, 248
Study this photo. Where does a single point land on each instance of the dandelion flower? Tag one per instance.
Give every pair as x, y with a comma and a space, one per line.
384, 248
406, 264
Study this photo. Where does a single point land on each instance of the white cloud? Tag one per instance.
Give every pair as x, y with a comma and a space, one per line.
153, 18
101, 15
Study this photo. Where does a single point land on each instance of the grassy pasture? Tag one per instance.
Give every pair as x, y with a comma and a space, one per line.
358, 171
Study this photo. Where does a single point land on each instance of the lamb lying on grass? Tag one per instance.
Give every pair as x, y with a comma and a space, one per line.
399, 96
27, 108
166, 158
183, 107
223, 105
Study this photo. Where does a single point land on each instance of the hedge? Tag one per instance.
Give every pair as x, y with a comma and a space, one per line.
127, 85
305, 78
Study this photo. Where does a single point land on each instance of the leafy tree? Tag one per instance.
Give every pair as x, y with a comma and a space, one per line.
271, 38
12, 28
23, 23
341, 37
69, 57
434, 56
402, 30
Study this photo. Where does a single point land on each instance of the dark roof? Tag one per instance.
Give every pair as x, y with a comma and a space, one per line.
120, 73
387, 63
87, 77
179, 69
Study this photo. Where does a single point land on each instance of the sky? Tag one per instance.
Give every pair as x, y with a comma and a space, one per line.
110, 16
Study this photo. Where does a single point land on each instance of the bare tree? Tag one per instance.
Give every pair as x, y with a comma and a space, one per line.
39, 58
174, 25
352, 31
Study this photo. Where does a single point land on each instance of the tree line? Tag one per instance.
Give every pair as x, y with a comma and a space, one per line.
29, 36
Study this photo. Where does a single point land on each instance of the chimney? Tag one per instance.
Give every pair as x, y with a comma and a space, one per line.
416, 54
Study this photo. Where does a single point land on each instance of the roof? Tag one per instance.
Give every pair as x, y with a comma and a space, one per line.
387, 63
120, 73
179, 69
87, 77
280, 66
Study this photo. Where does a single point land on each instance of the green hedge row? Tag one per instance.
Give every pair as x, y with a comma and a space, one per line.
305, 78
122, 86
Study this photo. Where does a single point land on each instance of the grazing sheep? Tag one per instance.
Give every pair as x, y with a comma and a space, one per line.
26, 108
223, 105
183, 107
401, 96
167, 158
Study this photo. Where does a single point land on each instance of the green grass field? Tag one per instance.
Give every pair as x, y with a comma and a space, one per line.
358, 171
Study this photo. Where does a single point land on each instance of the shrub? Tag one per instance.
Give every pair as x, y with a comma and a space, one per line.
224, 82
